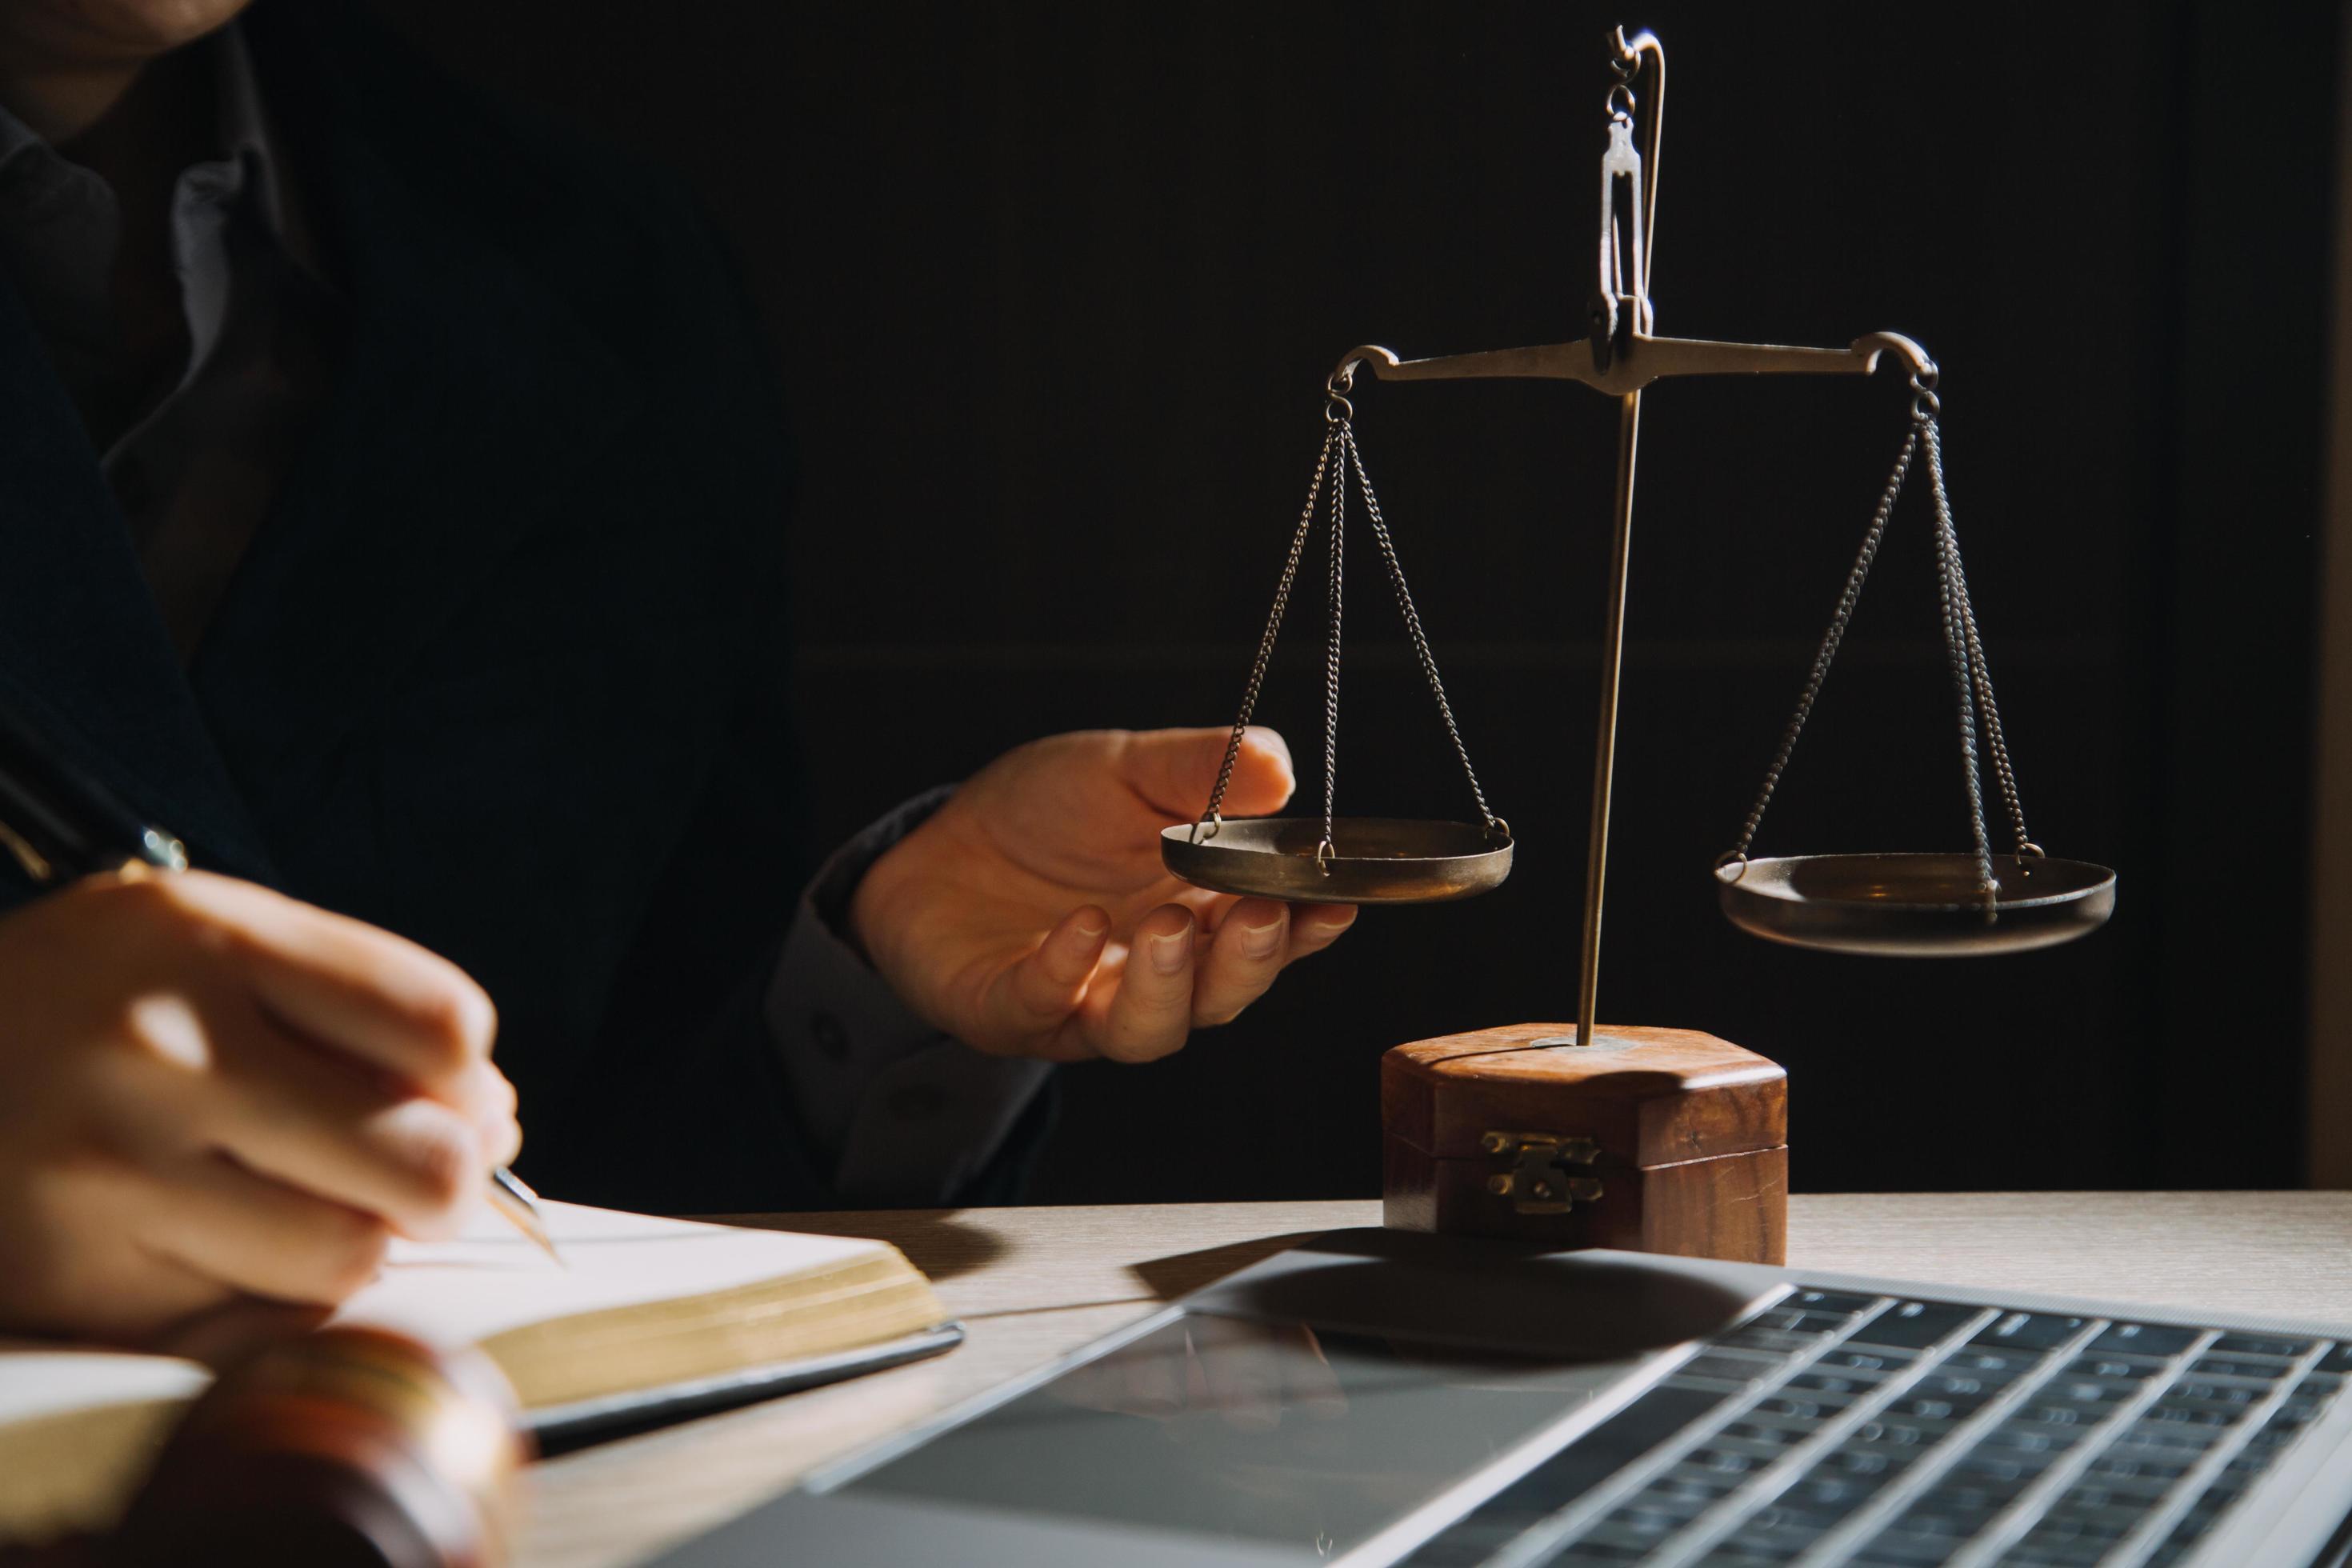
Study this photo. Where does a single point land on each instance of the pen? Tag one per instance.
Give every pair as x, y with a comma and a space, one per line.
60, 823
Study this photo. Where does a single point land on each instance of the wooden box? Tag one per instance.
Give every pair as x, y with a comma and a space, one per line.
1651, 1140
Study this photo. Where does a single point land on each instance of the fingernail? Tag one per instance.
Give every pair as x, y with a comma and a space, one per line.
1259, 941
1169, 953
1088, 930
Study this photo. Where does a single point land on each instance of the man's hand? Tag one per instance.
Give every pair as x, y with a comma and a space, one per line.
1032, 916
213, 1094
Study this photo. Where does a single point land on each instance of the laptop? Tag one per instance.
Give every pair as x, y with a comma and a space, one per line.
1386, 1397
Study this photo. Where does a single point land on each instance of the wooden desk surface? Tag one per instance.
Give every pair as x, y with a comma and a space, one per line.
1034, 1283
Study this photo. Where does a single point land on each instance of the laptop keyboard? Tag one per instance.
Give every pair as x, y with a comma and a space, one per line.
1848, 1429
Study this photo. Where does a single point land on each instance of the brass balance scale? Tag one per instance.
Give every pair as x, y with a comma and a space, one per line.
1937, 904
1656, 1139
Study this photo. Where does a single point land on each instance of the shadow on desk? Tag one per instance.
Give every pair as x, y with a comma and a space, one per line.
1183, 1272
939, 1243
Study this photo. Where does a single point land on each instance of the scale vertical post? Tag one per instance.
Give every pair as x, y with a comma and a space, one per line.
1604, 751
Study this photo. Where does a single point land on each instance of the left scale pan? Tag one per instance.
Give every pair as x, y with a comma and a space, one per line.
1373, 859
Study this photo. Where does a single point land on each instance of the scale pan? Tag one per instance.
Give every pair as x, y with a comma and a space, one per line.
1381, 860
1916, 906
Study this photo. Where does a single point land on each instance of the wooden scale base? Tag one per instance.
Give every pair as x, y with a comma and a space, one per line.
1650, 1140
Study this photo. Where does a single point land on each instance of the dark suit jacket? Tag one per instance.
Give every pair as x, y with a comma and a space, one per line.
503, 671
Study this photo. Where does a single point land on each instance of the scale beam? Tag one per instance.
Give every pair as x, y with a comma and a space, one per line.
1640, 360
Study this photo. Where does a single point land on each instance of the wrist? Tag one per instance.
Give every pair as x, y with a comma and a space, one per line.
849, 894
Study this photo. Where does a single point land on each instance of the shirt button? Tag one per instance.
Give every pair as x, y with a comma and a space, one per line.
832, 1041
918, 1102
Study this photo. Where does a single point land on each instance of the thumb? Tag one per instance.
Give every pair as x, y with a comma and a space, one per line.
1175, 769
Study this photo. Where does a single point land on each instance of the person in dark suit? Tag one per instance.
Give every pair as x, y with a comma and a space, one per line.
393, 496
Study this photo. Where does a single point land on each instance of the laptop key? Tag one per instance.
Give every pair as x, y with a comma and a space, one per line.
2029, 1330
1727, 1367
1766, 1340
1968, 1500
2261, 1368
1913, 1325
1907, 1550
2119, 1491
1581, 1553
1794, 1404
2260, 1345
2055, 1554
1746, 1555
2025, 1438
2321, 1386
1986, 1462
1695, 1483
1865, 1358
2126, 1461
1847, 1383
1926, 1402
2160, 1339
1772, 1431
1896, 1431
1799, 1320
1999, 1366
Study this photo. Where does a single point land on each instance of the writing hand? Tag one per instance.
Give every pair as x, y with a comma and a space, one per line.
214, 1093
1030, 915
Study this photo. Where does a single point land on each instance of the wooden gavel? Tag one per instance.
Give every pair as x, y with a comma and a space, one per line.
345, 1448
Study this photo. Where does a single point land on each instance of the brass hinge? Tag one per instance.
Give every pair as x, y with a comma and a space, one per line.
1543, 1173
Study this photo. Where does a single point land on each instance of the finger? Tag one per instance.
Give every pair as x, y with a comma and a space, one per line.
345, 984
1032, 997
486, 1098
1314, 927
1242, 961
100, 1284
285, 1111
261, 1236
1174, 771
1151, 1010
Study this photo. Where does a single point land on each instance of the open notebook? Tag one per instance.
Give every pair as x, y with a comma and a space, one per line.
645, 1317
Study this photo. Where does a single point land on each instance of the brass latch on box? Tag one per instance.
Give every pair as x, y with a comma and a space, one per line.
1543, 1173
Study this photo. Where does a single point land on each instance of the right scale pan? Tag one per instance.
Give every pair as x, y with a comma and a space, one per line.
1916, 906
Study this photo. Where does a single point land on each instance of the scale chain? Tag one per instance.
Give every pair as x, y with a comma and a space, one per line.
1211, 818
1325, 850
1981, 674
1956, 644
1972, 678
1413, 629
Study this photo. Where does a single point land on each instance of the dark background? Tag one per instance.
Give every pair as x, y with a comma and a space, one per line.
1055, 290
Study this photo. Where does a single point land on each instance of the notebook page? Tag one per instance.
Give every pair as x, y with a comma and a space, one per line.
491, 1279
